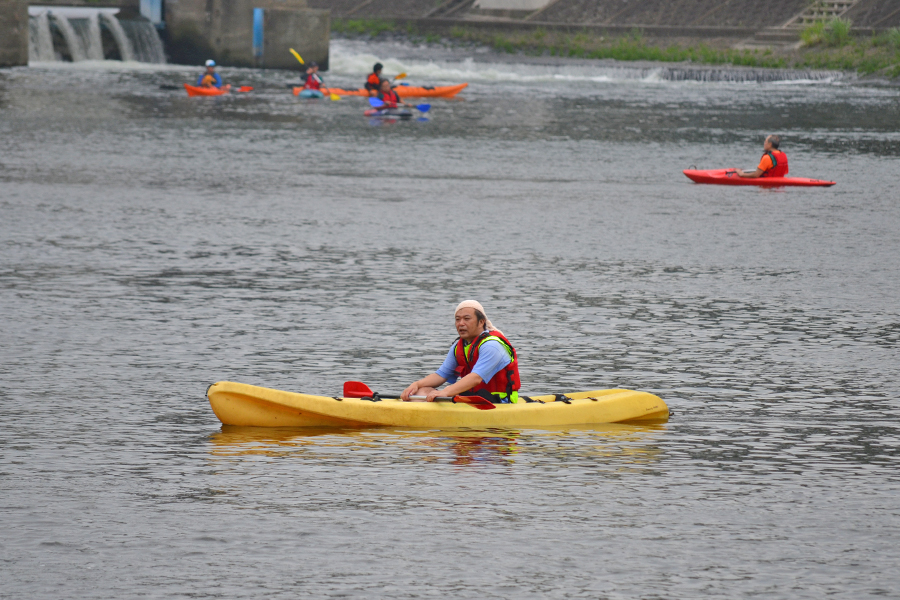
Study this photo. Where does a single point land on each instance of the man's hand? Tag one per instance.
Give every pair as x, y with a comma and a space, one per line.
434, 394
410, 391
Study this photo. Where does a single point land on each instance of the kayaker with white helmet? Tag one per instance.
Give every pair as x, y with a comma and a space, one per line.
773, 162
481, 362
210, 79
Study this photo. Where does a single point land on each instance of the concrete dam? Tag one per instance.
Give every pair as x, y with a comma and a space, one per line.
247, 33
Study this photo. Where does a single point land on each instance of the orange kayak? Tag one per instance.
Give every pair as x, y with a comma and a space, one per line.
202, 91
404, 91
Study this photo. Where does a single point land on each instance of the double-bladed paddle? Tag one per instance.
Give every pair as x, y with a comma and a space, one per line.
358, 389
378, 103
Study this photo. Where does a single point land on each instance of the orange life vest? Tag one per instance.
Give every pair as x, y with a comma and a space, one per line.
779, 166
506, 383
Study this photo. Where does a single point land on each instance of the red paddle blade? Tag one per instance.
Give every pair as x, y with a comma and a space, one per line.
357, 389
245, 88
476, 401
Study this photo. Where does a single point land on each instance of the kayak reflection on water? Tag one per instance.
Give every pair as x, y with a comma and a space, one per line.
609, 447
481, 362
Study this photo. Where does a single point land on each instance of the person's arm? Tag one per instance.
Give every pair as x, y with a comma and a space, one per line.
446, 372
765, 164
463, 385
200, 79
757, 173
429, 381
492, 357
218, 79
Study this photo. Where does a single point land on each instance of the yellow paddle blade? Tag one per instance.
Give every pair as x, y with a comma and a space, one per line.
297, 56
400, 76
334, 97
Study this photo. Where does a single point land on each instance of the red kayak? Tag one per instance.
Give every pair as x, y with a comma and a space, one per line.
730, 177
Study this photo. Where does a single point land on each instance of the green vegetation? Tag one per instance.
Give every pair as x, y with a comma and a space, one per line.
834, 33
826, 46
371, 27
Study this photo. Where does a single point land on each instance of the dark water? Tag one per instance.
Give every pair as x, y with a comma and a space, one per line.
152, 244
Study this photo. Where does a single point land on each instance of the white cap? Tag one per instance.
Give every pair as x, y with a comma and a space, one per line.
210, 63
477, 306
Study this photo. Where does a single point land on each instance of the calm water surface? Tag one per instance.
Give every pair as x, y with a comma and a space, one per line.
151, 244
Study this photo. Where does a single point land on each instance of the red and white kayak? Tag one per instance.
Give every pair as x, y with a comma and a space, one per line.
193, 90
730, 177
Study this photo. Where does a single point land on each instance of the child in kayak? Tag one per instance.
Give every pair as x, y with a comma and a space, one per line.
373, 82
773, 163
210, 79
389, 96
481, 362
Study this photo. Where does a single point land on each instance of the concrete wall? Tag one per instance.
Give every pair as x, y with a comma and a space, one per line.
511, 4
306, 31
13, 33
223, 30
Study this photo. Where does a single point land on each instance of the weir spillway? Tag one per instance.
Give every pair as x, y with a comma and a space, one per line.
75, 34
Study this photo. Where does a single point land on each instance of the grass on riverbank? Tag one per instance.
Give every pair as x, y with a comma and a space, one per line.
827, 46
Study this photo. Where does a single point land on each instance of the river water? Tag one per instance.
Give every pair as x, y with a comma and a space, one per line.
151, 244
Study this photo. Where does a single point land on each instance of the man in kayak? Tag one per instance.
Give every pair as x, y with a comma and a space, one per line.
313, 79
373, 82
773, 163
210, 79
481, 362
389, 96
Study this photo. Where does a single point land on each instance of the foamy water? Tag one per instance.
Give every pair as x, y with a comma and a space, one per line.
355, 58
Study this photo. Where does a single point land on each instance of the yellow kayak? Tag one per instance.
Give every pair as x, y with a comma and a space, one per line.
250, 405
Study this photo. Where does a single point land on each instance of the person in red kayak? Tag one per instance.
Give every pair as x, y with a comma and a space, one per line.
389, 95
481, 362
373, 82
313, 79
774, 162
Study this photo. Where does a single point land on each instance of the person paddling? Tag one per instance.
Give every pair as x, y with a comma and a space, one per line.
313, 79
210, 79
373, 82
481, 362
774, 162
389, 96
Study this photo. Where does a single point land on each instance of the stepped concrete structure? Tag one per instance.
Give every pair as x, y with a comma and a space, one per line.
737, 22
13, 33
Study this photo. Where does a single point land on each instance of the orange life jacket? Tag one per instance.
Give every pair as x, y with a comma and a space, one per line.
779, 166
374, 80
506, 383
